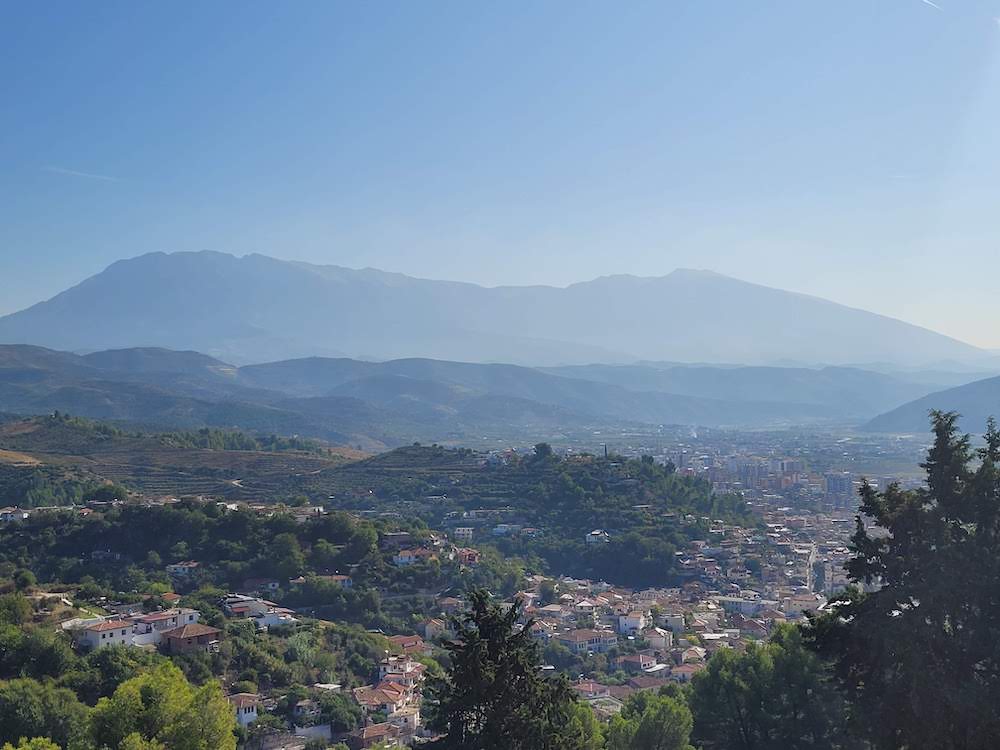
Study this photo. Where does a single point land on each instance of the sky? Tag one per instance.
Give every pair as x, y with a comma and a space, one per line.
845, 149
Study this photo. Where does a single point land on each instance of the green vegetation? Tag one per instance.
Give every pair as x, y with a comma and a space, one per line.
494, 697
234, 440
918, 656
649, 510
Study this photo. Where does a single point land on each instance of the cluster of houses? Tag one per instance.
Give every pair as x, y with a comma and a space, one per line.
176, 630
390, 705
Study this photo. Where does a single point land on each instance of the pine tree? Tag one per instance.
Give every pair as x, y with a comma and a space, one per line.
495, 696
917, 642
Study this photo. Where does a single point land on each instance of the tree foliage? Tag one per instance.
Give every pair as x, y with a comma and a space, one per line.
775, 696
161, 708
919, 650
494, 696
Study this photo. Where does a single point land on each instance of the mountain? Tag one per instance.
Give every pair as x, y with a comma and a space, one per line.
255, 308
379, 404
853, 391
976, 402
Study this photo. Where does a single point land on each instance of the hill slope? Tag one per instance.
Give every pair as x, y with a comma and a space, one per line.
976, 402
257, 308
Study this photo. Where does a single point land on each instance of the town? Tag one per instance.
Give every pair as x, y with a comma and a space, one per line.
731, 588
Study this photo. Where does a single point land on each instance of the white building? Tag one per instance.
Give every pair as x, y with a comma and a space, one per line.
104, 633
245, 705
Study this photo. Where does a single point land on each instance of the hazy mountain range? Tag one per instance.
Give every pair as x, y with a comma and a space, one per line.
256, 309
378, 404
976, 402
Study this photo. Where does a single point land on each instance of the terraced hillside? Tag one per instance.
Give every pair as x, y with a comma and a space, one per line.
47, 450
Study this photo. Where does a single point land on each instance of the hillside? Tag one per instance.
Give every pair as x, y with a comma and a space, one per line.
255, 308
375, 405
976, 402
854, 391
52, 460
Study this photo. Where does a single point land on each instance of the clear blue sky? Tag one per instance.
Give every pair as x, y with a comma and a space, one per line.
847, 149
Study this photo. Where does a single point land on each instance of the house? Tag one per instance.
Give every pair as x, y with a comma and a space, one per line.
305, 709
464, 533
434, 627
245, 705
275, 616
104, 633
658, 639
401, 670
386, 697
505, 529
406, 719
192, 637
182, 570
450, 604
646, 682
588, 689
597, 536
408, 644
467, 555
585, 640
407, 557
635, 663
685, 672
386, 735
631, 623
261, 585
13, 513
240, 605
167, 619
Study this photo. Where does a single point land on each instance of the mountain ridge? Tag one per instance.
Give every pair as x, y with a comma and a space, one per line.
255, 308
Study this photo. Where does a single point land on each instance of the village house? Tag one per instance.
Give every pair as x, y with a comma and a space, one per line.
149, 628
635, 663
192, 637
245, 705
384, 735
401, 670
408, 644
388, 698
104, 633
658, 639
13, 513
407, 719
633, 622
405, 557
585, 640
597, 536
182, 570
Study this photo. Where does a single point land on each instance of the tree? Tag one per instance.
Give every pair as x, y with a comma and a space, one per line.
36, 743
917, 643
24, 580
651, 722
775, 696
29, 708
161, 708
494, 696
14, 609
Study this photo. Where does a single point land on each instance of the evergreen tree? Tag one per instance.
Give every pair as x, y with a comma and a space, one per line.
495, 696
774, 696
918, 649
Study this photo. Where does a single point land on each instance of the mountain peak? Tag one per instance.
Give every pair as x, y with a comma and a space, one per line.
256, 307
